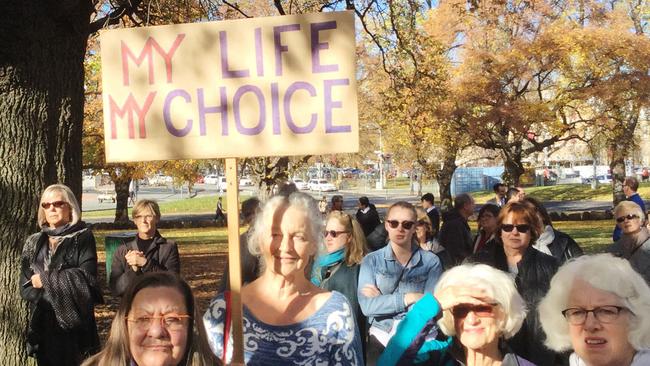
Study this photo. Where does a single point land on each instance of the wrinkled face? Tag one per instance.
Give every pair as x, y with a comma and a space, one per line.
343, 237
515, 239
288, 246
56, 216
157, 344
480, 327
599, 343
400, 235
631, 222
487, 221
147, 223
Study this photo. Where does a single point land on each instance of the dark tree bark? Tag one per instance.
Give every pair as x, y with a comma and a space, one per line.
444, 175
42, 47
620, 145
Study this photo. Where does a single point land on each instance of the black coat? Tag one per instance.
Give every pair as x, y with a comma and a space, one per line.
456, 236
368, 220
533, 281
564, 247
62, 329
162, 255
434, 216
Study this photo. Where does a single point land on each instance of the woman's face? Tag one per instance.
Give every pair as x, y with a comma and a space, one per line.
515, 239
421, 232
147, 223
599, 343
629, 222
289, 245
477, 326
158, 342
487, 221
58, 212
332, 244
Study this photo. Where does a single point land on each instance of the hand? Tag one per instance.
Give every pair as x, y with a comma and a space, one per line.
412, 297
135, 259
455, 295
36, 281
370, 291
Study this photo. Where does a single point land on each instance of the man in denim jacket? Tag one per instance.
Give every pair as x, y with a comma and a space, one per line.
394, 277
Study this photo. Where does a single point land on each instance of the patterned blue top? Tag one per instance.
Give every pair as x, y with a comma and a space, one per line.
328, 337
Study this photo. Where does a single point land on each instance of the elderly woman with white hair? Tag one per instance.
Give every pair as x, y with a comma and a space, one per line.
287, 319
634, 244
58, 277
599, 308
477, 306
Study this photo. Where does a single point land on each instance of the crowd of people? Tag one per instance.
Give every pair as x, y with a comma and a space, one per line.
326, 287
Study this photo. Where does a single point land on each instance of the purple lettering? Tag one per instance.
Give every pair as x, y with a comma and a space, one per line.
316, 46
258, 52
167, 116
275, 108
225, 67
279, 47
287, 107
222, 108
236, 111
330, 104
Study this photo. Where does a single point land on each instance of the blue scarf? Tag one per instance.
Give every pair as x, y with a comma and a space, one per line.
324, 262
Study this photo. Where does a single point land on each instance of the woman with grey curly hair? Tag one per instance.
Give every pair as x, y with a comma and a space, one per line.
598, 307
286, 318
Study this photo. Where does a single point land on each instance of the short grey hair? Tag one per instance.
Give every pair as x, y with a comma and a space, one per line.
298, 200
497, 284
604, 272
68, 197
462, 199
628, 208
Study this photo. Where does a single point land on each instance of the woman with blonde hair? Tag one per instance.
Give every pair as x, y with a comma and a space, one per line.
634, 244
338, 268
157, 323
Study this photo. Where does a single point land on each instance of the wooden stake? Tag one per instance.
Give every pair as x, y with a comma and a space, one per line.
234, 260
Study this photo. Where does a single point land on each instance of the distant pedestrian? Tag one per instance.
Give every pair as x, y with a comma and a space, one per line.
645, 174
322, 206
630, 186
132, 191
367, 215
428, 203
455, 234
500, 191
220, 216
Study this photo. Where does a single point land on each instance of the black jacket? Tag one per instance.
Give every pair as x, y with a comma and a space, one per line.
564, 247
62, 329
378, 238
533, 282
434, 216
162, 255
250, 266
456, 236
368, 220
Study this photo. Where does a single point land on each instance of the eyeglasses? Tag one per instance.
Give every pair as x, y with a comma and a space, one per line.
523, 228
333, 233
604, 314
484, 311
140, 217
56, 204
407, 225
172, 322
628, 217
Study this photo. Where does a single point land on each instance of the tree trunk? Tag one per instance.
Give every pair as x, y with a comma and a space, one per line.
42, 48
620, 145
444, 175
122, 199
513, 169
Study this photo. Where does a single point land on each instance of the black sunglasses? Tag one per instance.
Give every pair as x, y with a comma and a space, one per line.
407, 225
56, 204
333, 233
523, 228
484, 311
628, 217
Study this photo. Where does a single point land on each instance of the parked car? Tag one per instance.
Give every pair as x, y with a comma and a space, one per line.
245, 182
604, 178
160, 180
107, 196
321, 185
300, 184
211, 179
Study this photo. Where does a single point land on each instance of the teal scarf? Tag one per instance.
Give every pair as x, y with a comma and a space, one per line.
324, 262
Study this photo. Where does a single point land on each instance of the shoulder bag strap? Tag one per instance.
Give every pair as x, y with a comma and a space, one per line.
401, 274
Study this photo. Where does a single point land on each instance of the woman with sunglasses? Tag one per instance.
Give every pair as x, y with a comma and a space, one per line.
634, 244
338, 269
394, 277
426, 239
156, 324
475, 309
599, 308
518, 227
58, 277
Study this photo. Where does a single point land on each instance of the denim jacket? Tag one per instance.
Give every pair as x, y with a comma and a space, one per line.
381, 269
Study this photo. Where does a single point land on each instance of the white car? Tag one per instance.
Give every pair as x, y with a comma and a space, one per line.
107, 196
300, 184
321, 185
211, 179
245, 182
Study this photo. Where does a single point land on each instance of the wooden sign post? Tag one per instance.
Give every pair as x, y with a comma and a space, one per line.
273, 86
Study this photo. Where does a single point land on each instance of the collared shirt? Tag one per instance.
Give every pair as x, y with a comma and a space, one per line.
365, 210
431, 208
382, 270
